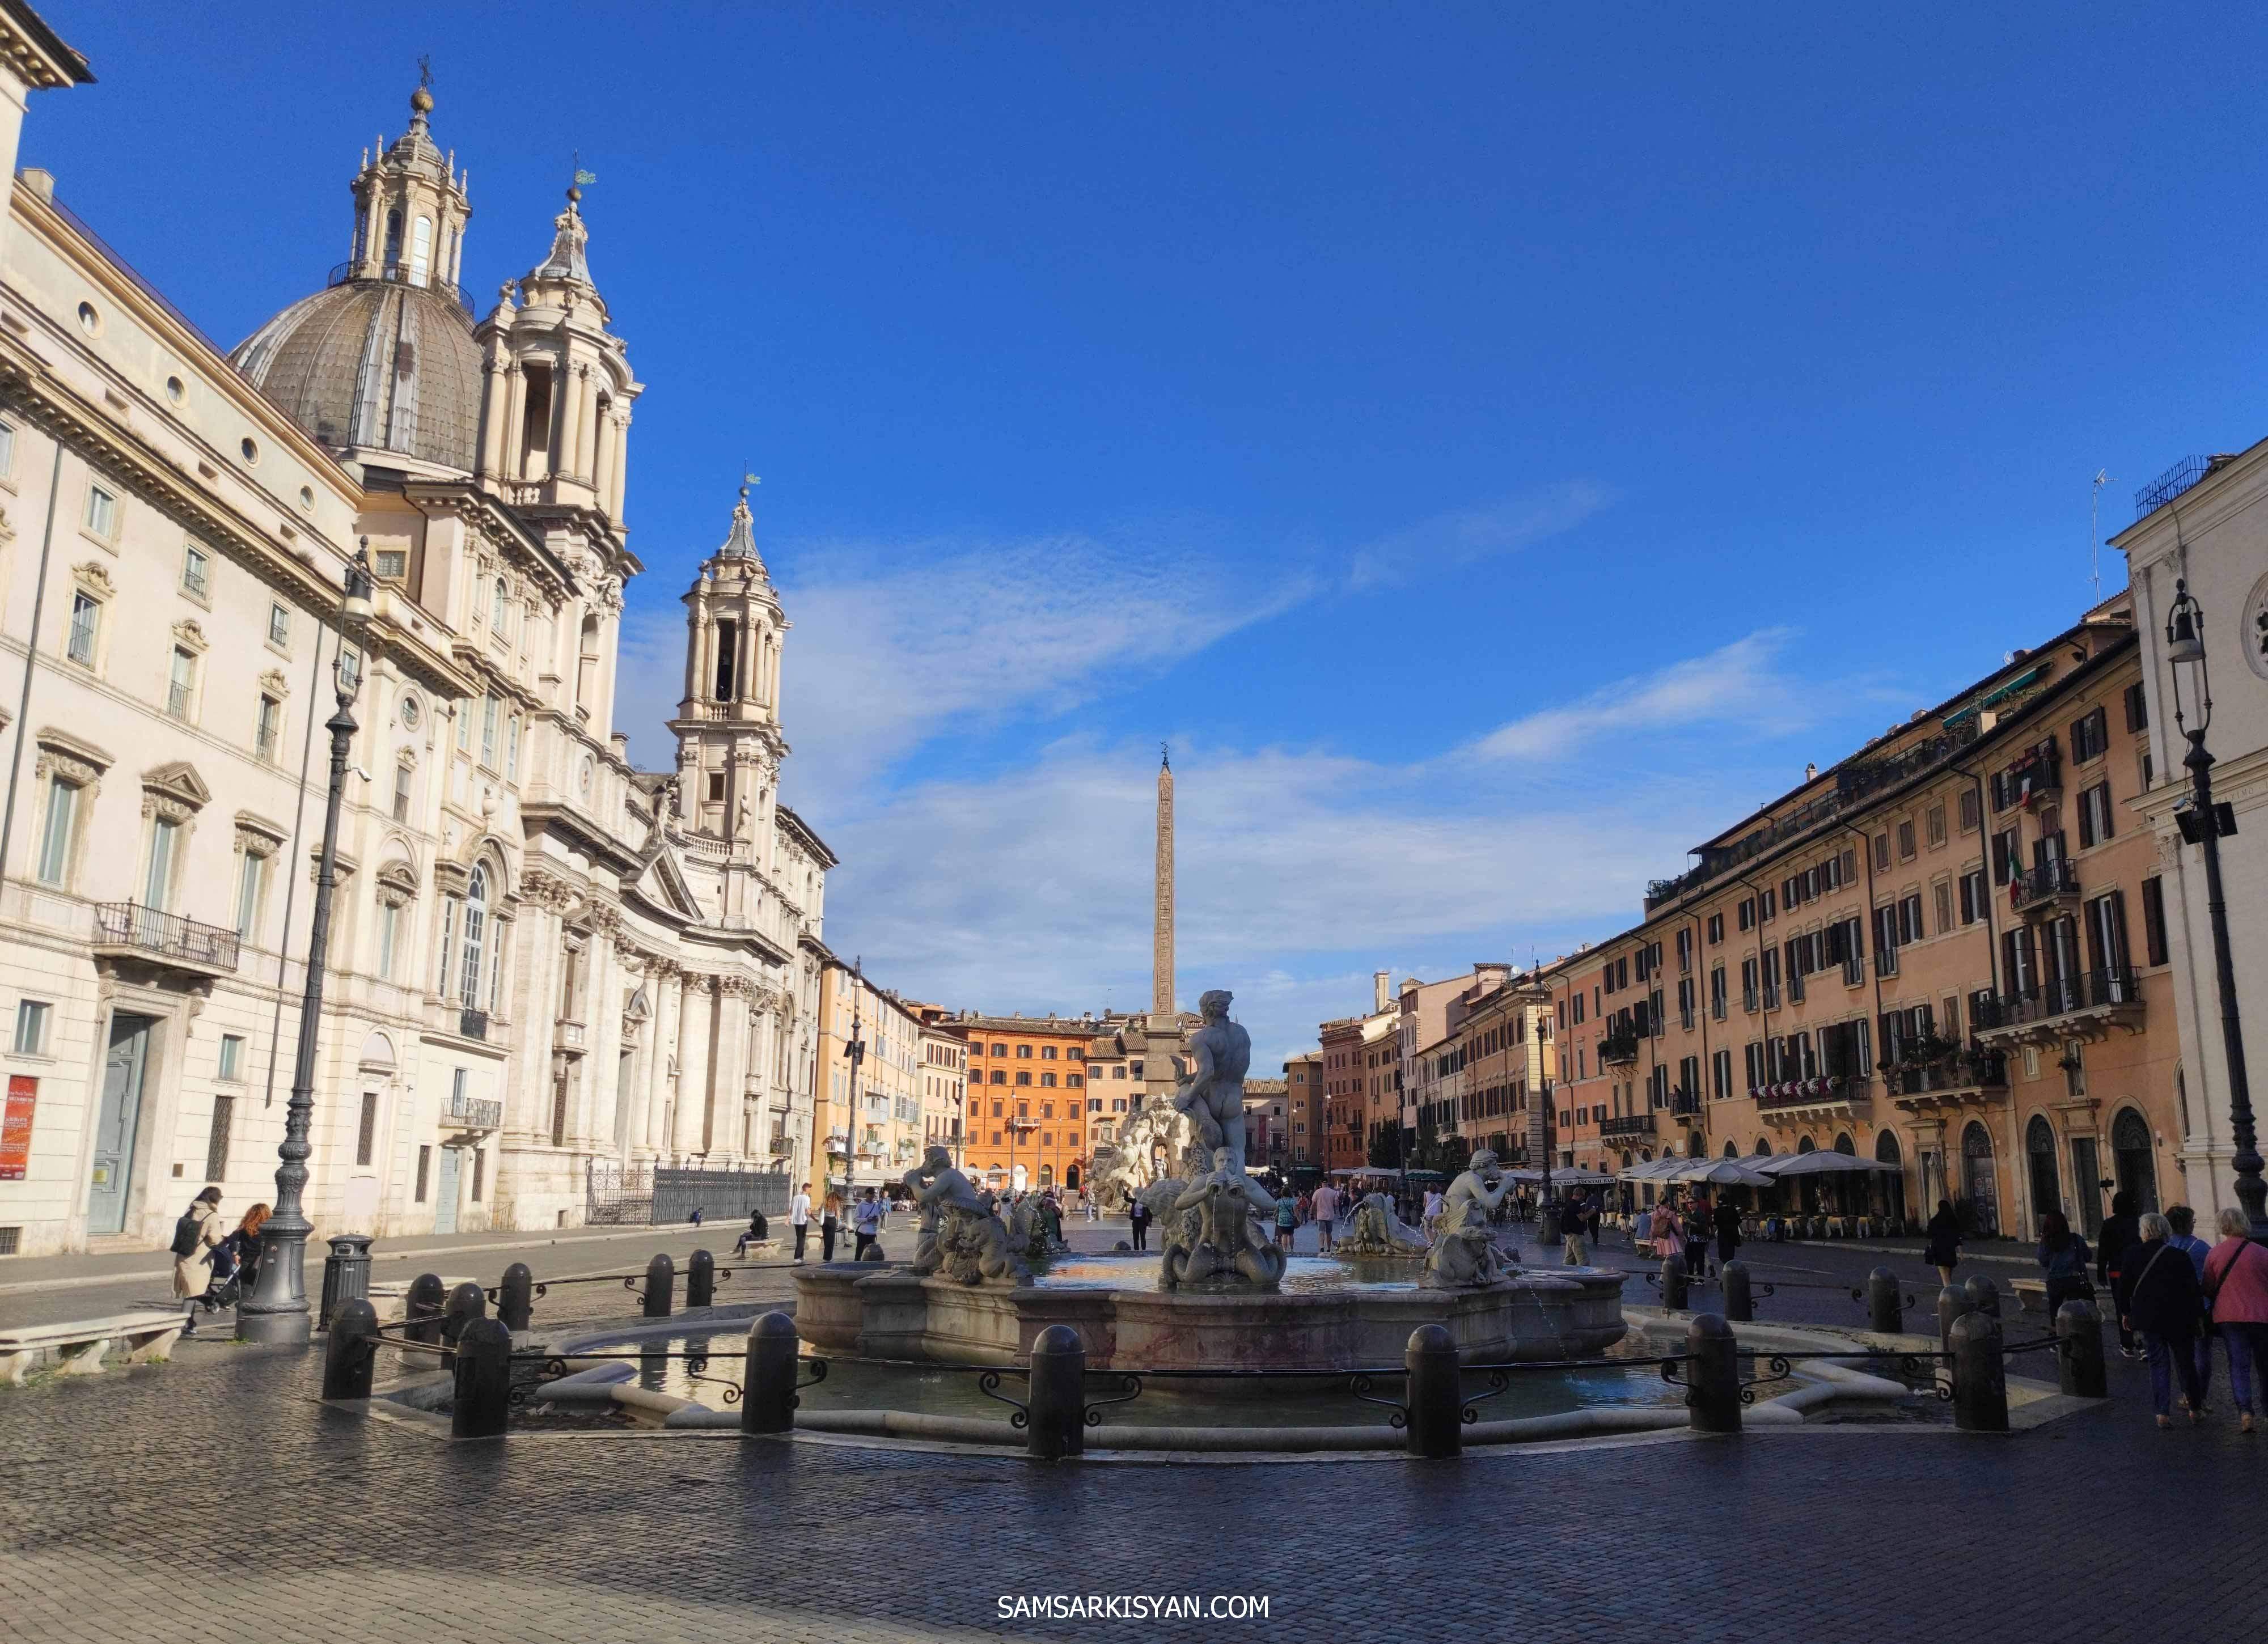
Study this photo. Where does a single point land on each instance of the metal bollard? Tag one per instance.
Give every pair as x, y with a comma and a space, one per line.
1673, 1283
516, 1297
1547, 1225
1983, 1296
1885, 1311
700, 1280
1740, 1303
660, 1281
1055, 1417
466, 1302
421, 1309
484, 1380
350, 1351
1713, 1391
1980, 1382
1434, 1427
346, 1274
2078, 1351
767, 1395
1952, 1306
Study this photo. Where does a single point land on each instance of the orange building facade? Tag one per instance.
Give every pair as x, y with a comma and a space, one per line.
1028, 1125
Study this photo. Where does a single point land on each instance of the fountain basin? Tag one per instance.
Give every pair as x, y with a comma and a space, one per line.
848, 1309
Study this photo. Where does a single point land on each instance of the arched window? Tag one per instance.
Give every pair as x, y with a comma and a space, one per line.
1731, 1150
586, 677
2132, 1162
498, 606
1844, 1144
1763, 1148
393, 241
470, 969
421, 250
1979, 1181
1804, 1144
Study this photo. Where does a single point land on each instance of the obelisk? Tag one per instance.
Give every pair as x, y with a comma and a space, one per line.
1162, 1018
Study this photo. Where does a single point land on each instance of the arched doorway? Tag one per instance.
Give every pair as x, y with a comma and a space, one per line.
1803, 1144
1890, 1190
2131, 1160
1763, 1148
1979, 1183
1731, 1150
2040, 1162
1047, 1176
1844, 1146
1071, 1176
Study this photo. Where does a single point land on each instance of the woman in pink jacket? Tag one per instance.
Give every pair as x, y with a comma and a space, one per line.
1669, 1237
2237, 1284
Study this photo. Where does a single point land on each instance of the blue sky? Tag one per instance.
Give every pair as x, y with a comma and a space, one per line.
1496, 448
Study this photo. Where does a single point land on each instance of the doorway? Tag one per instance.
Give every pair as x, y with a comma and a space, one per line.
117, 1122
2131, 1160
445, 1195
2087, 1185
1979, 1182
2040, 1152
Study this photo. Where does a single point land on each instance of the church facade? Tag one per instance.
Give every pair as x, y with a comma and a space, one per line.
545, 963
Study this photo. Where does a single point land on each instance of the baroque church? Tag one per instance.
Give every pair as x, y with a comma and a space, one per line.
548, 968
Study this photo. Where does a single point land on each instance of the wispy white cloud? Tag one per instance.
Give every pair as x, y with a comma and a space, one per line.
1460, 536
1737, 684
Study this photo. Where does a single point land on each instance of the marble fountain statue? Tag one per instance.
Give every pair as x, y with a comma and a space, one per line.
1219, 1294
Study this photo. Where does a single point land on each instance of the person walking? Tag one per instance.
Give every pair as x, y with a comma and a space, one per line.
2164, 1303
1137, 1218
1695, 1229
799, 1217
1575, 1220
1943, 1251
1728, 1230
2237, 1285
830, 1222
1287, 1223
1661, 1231
862, 1224
197, 1231
2119, 1235
243, 1247
1327, 1215
2063, 1257
2182, 1220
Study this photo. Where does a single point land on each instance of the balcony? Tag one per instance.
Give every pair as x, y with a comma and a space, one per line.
1626, 1125
128, 930
473, 1023
2085, 1006
1963, 1078
1684, 1103
570, 1034
1801, 1099
477, 1114
2041, 891
1619, 1047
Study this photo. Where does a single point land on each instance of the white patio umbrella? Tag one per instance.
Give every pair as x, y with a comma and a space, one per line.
1721, 1173
1653, 1170
1819, 1162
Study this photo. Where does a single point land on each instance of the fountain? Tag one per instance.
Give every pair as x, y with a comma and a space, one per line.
1218, 1295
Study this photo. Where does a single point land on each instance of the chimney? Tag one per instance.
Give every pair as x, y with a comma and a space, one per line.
1380, 996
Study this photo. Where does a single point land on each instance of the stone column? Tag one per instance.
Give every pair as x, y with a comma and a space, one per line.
728, 1074
622, 466
586, 450
495, 390
696, 642
511, 460
694, 1029
602, 480
660, 1047
572, 377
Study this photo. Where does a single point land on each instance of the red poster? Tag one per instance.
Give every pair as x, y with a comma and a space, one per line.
16, 1128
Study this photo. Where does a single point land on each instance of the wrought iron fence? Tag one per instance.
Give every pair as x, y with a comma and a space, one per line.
129, 924
642, 1195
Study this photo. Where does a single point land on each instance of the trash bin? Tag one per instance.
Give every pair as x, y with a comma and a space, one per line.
346, 1274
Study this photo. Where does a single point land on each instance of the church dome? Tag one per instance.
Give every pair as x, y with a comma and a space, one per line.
381, 363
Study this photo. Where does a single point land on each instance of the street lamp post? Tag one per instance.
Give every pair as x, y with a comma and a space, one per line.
277, 1309
856, 1050
2201, 824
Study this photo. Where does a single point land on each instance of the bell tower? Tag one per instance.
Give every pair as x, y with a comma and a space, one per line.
729, 745
556, 384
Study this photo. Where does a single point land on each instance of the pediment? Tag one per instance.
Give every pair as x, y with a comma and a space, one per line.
665, 885
178, 781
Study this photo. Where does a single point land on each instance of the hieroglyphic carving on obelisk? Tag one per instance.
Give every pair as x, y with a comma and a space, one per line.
1161, 952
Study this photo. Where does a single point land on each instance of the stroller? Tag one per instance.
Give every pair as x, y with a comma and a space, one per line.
225, 1288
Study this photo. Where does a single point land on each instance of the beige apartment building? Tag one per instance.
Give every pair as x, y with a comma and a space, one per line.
1304, 1101
1948, 953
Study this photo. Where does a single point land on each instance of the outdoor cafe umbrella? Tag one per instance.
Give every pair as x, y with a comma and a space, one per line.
1723, 1173
1653, 1170
1819, 1162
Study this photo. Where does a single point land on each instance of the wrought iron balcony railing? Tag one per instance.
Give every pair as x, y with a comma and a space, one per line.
1619, 1047
2043, 883
2089, 990
1627, 1125
166, 935
473, 1023
475, 1113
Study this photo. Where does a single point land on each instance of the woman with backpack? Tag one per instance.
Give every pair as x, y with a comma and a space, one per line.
197, 1231
2064, 1256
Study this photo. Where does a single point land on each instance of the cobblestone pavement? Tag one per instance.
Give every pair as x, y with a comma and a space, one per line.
212, 1498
